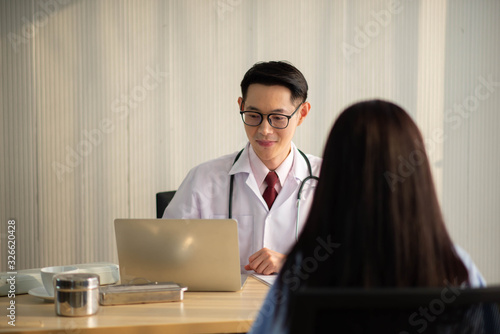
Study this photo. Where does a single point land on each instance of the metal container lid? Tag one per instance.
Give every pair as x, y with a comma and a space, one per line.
76, 281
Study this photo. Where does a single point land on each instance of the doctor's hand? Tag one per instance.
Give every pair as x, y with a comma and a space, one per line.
265, 261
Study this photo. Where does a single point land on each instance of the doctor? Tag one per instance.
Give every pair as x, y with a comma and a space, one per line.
273, 104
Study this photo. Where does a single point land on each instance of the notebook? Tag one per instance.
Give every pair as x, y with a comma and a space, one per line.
201, 254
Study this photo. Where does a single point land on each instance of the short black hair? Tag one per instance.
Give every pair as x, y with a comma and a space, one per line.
276, 73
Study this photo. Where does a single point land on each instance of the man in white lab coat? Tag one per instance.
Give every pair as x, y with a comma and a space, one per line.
273, 104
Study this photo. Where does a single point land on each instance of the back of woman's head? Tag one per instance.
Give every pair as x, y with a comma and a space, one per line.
376, 199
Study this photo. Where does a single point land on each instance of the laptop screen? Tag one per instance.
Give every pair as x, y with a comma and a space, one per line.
201, 254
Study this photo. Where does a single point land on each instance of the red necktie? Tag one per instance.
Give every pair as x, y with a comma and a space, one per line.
270, 193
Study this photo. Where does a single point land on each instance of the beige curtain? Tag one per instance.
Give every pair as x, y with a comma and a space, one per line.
104, 103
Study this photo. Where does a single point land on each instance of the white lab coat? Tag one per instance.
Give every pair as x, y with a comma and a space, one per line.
204, 194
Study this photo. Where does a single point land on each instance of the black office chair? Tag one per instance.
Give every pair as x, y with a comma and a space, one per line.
162, 200
401, 311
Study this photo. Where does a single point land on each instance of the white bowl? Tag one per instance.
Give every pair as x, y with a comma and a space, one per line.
48, 274
108, 272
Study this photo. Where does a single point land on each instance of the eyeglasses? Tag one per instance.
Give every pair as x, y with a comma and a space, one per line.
277, 121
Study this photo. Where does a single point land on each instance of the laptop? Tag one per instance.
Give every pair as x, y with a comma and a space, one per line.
201, 254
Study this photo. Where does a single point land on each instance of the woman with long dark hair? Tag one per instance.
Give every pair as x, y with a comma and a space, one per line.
375, 220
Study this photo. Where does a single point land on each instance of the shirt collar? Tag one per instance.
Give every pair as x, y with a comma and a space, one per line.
260, 170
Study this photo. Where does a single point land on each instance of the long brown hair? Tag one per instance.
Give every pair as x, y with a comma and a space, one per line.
375, 220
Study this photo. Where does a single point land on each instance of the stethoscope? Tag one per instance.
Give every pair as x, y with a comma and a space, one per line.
310, 177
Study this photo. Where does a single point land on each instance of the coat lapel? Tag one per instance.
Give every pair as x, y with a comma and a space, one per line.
242, 166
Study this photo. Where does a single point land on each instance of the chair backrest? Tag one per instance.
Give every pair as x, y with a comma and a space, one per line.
408, 310
162, 200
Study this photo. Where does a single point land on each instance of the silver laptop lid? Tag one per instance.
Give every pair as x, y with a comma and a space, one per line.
201, 254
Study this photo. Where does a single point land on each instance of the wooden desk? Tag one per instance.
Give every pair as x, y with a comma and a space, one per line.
200, 312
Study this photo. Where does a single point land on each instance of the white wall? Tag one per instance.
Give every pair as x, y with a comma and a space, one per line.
105, 103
